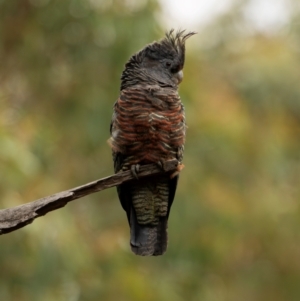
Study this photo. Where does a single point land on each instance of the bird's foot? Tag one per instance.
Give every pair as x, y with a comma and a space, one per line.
134, 170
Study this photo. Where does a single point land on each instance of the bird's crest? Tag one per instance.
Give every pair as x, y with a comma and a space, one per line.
172, 45
177, 40
172, 42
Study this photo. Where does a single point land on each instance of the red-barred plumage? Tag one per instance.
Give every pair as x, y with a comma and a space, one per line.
151, 133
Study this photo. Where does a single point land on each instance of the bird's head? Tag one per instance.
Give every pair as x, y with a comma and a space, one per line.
158, 63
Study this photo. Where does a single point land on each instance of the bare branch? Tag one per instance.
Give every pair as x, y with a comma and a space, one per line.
17, 217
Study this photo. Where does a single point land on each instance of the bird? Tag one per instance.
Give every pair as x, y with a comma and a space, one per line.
148, 126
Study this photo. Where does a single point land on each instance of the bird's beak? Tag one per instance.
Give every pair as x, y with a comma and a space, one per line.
179, 76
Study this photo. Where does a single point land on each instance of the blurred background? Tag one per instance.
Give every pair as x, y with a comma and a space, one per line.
234, 226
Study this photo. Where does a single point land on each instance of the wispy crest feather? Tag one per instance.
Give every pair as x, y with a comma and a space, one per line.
177, 40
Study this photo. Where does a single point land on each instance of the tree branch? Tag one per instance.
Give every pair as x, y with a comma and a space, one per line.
17, 217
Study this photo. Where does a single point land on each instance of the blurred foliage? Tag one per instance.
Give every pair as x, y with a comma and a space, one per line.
234, 226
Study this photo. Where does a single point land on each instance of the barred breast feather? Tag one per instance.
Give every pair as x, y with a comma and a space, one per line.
148, 124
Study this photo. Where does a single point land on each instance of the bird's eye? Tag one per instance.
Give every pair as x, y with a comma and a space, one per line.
168, 64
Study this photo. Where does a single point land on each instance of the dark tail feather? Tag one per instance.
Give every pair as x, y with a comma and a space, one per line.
148, 240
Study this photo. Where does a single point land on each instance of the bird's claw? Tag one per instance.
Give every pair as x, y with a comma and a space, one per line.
134, 170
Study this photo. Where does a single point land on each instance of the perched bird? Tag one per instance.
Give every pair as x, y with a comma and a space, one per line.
148, 126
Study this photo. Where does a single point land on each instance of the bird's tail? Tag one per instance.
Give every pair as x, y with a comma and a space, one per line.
147, 240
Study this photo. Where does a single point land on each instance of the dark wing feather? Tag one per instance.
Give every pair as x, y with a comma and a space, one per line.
172, 190
123, 189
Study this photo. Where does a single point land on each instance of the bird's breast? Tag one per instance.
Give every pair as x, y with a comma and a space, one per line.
148, 126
